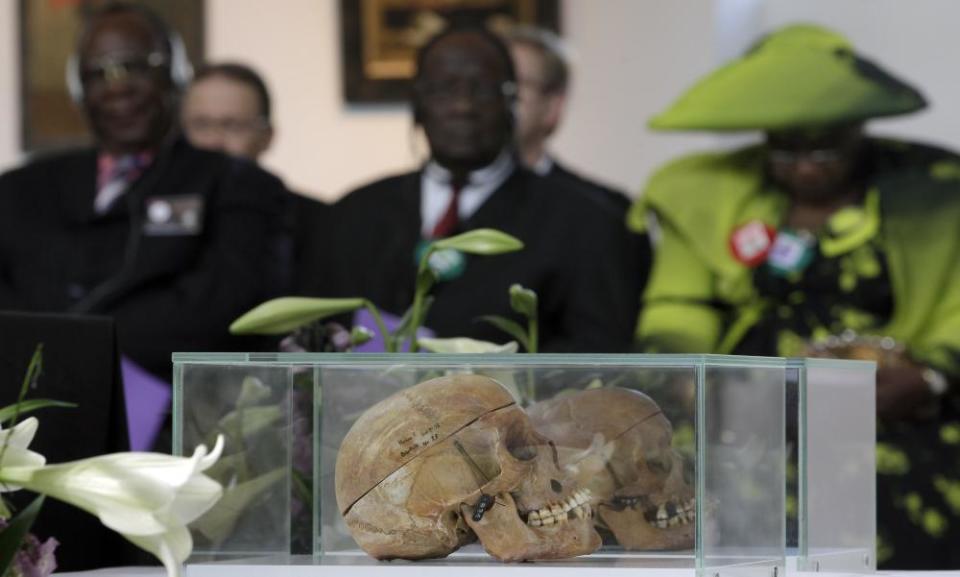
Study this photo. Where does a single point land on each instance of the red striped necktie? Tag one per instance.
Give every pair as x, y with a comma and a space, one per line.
115, 174
450, 220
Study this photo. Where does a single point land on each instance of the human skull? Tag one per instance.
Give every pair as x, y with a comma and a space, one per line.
453, 459
617, 443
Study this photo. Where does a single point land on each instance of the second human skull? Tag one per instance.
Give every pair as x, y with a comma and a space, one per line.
618, 443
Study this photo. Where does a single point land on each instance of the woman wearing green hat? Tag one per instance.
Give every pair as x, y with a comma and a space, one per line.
822, 240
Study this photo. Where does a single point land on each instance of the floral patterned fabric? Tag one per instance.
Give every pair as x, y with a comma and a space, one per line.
918, 461
888, 268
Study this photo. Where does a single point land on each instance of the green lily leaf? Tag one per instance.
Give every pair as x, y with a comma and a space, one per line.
228, 467
248, 421
466, 345
510, 327
12, 536
523, 301
486, 241
301, 486
217, 524
284, 315
252, 392
31, 405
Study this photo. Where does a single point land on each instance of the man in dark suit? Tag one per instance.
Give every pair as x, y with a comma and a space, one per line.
172, 242
576, 249
542, 79
543, 75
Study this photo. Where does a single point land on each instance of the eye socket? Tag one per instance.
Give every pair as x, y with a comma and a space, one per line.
522, 450
522, 442
660, 464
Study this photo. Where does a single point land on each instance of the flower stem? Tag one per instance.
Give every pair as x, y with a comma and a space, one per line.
389, 342
532, 334
418, 294
33, 371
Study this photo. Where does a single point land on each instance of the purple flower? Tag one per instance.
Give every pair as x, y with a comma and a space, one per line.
35, 559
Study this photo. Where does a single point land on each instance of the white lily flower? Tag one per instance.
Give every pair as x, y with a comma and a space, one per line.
16, 454
465, 345
149, 498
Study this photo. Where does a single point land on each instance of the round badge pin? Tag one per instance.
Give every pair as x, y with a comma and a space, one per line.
750, 243
159, 211
447, 264
792, 251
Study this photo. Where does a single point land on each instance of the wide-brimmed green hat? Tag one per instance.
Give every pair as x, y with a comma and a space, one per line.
802, 76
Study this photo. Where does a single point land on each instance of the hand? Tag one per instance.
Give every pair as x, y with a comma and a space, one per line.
902, 393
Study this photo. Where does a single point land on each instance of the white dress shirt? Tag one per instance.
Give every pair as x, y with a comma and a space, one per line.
435, 190
543, 166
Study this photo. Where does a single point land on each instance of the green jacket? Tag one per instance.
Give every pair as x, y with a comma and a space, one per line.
701, 299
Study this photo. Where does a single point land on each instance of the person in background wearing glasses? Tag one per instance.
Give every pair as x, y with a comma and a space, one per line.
171, 241
823, 240
543, 76
227, 108
575, 248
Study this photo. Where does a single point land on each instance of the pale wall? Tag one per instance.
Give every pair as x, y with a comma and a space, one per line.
9, 86
916, 39
324, 147
632, 58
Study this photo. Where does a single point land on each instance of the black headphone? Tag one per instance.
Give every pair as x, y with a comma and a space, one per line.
509, 87
181, 71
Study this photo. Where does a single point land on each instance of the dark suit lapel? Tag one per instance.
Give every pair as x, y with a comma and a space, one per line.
136, 269
78, 186
408, 217
502, 210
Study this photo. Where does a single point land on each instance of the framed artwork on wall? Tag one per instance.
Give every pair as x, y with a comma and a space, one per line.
380, 38
48, 34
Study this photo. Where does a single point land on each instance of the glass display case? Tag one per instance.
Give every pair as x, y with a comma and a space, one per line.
572, 464
836, 490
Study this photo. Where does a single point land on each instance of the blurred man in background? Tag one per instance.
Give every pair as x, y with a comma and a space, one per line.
543, 77
575, 250
227, 108
170, 241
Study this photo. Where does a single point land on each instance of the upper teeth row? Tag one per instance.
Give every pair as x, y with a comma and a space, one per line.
578, 503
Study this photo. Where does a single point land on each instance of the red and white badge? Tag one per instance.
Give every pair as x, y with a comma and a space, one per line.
751, 242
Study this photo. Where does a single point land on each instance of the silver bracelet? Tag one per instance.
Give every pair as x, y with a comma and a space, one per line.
936, 381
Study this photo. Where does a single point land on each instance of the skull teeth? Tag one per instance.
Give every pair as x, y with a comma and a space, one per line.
667, 514
576, 506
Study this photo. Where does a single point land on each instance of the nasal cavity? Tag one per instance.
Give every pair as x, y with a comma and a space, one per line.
556, 486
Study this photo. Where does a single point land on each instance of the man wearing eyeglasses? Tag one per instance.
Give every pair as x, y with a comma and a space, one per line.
823, 241
227, 107
171, 241
575, 248
543, 74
